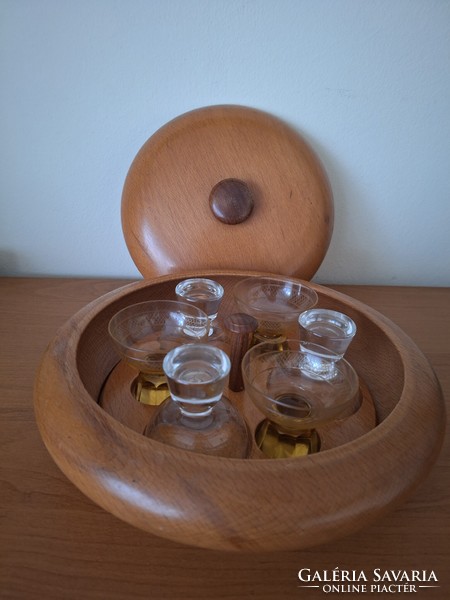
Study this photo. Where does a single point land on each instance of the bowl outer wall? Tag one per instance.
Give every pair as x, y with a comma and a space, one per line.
231, 504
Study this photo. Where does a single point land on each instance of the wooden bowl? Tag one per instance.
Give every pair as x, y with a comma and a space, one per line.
239, 504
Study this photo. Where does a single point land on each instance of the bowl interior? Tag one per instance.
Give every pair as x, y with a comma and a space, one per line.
372, 353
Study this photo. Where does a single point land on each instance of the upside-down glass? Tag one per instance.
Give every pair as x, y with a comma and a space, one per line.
275, 303
144, 333
196, 416
332, 331
294, 399
205, 294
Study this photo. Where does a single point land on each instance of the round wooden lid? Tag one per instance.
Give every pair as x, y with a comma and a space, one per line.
227, 187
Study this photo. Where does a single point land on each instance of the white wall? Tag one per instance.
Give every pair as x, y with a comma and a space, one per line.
86, 82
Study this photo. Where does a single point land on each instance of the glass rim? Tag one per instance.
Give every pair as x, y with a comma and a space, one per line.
199, 346
311, 294
189, 310
270, 405
191, 280
335, 313
254, 351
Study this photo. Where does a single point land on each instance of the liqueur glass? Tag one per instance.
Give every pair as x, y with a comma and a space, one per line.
275, 303
295, 399
144, 333
207, 295
332, 331
197, 416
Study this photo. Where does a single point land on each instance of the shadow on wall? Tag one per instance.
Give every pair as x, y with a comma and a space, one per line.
356, 224
9, 263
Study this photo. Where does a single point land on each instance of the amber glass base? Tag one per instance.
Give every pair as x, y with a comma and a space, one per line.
275, 444
152, 391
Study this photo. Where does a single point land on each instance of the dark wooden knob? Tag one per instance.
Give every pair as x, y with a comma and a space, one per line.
231, 201
241, 328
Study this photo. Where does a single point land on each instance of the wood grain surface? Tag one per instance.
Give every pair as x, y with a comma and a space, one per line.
224, 504
167, 220
55, 543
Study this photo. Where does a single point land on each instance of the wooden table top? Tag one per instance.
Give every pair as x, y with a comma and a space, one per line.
55, 543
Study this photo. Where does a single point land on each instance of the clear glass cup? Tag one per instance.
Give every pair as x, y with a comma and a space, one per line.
207, 295
144, 333
197, 416
332, 331
294, 399
275, 303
